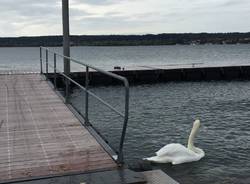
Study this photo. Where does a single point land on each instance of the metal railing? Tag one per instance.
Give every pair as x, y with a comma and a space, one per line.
57, 72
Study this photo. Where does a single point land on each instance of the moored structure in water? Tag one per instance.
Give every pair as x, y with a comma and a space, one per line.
159, 74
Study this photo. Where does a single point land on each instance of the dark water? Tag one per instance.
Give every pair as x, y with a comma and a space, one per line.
163, 113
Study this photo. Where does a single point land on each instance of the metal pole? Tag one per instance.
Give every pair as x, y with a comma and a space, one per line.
47, 64
41, 61
66, 42
66, 39
87, 96
55, 75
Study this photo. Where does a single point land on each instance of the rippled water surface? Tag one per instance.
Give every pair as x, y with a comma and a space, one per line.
129, 57
163, 113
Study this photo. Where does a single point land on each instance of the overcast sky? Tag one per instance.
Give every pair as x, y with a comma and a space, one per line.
43, 17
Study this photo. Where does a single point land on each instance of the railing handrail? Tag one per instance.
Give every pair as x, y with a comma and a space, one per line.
118, 77
121, 78
92, 94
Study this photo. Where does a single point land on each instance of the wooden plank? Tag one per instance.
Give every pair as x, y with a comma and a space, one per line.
39, 135
158, 177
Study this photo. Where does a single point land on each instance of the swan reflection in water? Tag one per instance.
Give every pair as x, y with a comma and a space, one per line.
176, 153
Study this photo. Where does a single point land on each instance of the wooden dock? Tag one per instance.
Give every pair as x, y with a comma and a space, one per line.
39, 135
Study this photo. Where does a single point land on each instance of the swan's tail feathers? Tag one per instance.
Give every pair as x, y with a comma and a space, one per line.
151, 159
155, 159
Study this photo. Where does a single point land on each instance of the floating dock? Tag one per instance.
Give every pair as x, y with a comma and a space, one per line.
159, 74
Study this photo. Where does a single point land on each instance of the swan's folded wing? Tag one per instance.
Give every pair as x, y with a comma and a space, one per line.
171, 149
158, 159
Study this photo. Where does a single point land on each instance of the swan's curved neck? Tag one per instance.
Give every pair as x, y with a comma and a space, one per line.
192, 135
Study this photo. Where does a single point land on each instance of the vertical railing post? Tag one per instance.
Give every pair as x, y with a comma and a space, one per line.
67, 90
67, 87
87, 96
41, 61
47, 63
120, 153
55, 74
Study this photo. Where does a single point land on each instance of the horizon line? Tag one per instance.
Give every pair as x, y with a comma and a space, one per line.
143, 34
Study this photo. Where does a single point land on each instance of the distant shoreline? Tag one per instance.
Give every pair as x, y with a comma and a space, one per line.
129, 40
120, 45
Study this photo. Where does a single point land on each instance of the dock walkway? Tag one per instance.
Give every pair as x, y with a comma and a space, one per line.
39, 135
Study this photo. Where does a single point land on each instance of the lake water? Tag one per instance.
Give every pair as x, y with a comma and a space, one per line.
164, 113
131, 57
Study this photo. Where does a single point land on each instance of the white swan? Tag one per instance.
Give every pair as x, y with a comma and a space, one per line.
177, 153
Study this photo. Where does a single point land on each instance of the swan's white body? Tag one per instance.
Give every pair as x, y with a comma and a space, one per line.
177, 153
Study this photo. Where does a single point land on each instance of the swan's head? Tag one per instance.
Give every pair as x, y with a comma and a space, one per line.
196, 124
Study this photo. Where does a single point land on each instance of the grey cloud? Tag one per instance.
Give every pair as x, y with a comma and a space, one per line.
101, 2
96, 2
181, 16
29, 7
234, 3
113, 25
22, 14
78, 13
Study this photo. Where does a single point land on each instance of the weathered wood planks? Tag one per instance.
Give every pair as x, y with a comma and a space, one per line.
39, 135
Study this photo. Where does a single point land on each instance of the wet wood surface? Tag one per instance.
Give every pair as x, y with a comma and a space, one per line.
39, 135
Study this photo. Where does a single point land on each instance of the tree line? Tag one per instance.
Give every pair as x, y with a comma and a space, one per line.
129, 40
